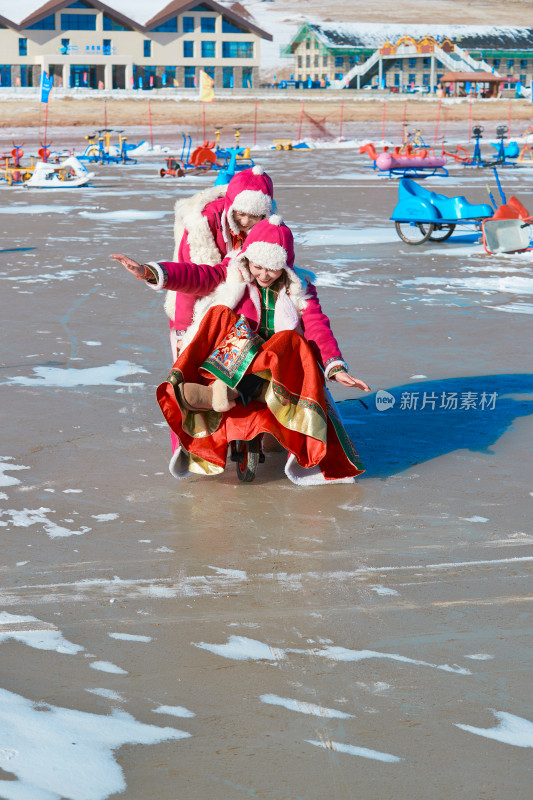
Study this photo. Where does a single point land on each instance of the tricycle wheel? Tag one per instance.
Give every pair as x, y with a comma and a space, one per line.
248, 459
162, 172
441, 232
414, 232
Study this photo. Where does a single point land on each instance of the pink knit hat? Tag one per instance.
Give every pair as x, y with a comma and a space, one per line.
250, 191
270, 244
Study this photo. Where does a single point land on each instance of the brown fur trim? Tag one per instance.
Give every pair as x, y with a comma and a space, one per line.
221, 400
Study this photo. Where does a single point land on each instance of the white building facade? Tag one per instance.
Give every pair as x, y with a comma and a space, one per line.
95, 45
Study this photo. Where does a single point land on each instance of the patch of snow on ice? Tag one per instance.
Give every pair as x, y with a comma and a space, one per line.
37, 516
242, 648
107, 666
109, 694
130, 637
238, 574
353, 750
474, 519
303, 707
104, 517
513, 284
378, 589
344, 654
124, 215
5, 466
90, 376
174, 711
92, 344
30, 209
342, 237
480, 657
515, 308
36, 745
35, 633
511, 730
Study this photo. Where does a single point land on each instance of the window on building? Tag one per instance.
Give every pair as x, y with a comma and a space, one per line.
26, 75
237, 49
510, 62
209, 71
106, 47
316, 61
65, 46
78, 22
247, 78
147, 48
300, 62
396, 78
325, 61
46, 24
338, 76
188, 24
496, 62
190, 77
207, 24
523, 63
412, 78
149, 77
426, 62
168, 78
5, 74
398, 63
523, 79
170, 26
339, 61
188, 49
208, 49
308, 44
425, 79
412, 63
23, 47
229, 27
112, 25
227, 77
308, 61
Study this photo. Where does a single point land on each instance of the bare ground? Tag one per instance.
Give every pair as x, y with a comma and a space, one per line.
240, 111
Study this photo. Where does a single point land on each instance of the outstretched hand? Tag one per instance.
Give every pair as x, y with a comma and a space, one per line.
131, 265
349, 380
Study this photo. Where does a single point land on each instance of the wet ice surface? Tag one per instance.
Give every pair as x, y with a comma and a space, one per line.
298, 642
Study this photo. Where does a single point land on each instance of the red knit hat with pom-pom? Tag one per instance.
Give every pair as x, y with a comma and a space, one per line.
250, 191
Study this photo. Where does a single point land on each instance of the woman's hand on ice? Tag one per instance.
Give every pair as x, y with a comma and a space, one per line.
131, 265
349, 380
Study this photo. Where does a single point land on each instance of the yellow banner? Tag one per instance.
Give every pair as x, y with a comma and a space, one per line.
207, 93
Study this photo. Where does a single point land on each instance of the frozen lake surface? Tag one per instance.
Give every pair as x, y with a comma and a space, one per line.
209, 639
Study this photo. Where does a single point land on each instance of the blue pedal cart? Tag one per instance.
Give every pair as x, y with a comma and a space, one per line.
422, 215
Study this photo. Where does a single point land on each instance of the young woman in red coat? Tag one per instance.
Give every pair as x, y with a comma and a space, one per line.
253, 361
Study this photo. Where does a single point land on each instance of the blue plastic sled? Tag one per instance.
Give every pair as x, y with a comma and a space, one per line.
421, 215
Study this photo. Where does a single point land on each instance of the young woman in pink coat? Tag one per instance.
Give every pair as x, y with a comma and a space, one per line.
253, 361
208, 226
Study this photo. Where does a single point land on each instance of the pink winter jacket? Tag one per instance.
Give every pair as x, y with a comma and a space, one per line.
200, 280
184, 302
